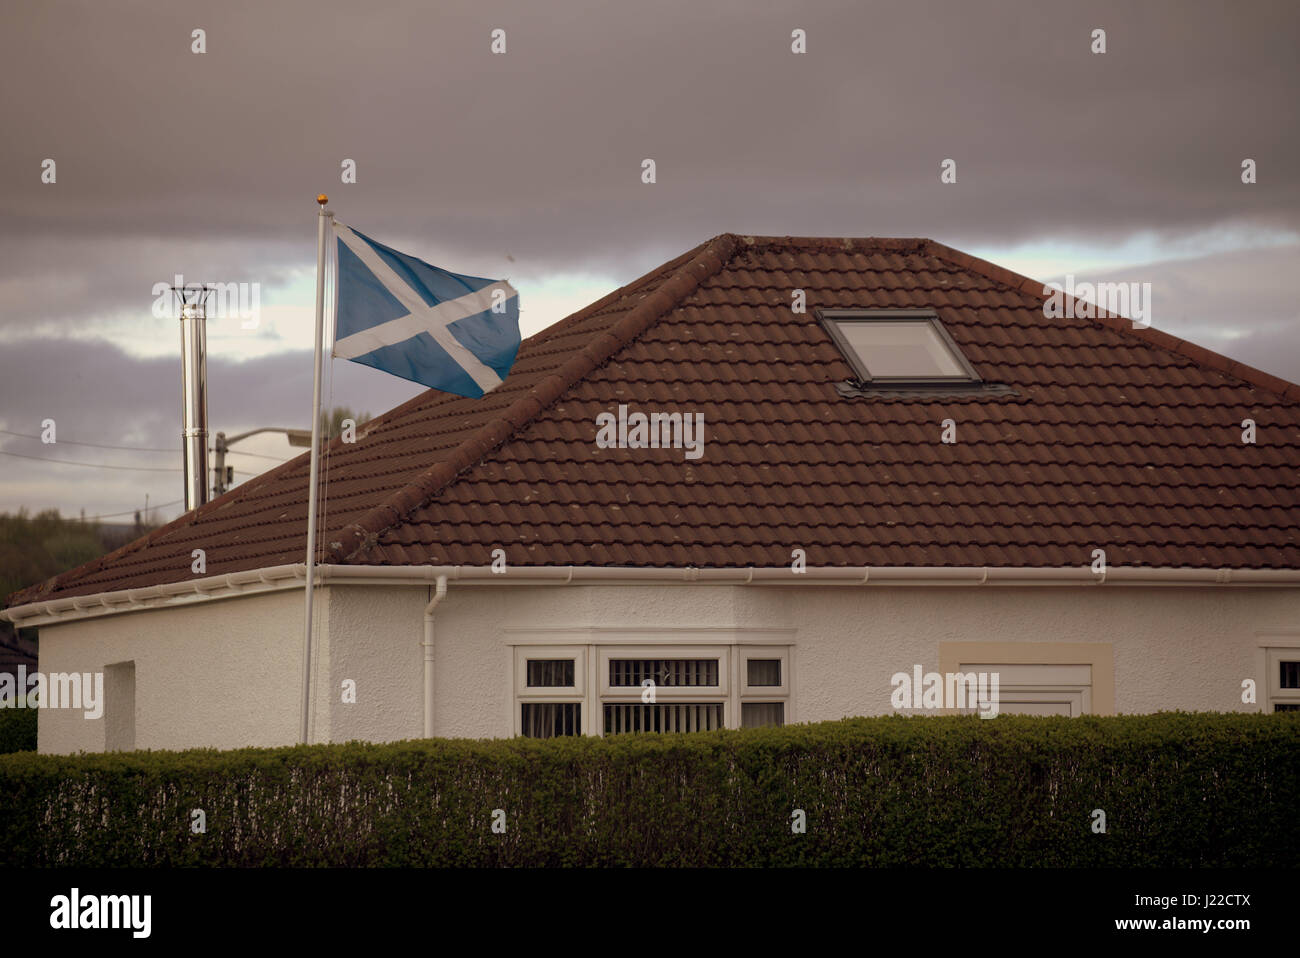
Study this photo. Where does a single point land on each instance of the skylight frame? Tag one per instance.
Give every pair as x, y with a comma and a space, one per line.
831, 318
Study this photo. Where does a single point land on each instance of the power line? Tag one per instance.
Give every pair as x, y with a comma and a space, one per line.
101, 465
97, 445
93, 465
100, 445
114, 515
255, 455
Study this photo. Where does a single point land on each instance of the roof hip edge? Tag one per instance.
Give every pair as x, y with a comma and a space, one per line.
355, 539
1122, 324
38, 590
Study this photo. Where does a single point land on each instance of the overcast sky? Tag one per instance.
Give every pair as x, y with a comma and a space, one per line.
527, 165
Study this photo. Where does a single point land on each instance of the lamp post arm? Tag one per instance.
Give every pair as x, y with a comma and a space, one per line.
297, 437
253, 432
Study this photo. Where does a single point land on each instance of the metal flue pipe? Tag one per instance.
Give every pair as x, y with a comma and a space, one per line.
194, 394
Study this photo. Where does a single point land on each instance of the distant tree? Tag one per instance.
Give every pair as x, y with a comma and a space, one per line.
34, 548
331, 423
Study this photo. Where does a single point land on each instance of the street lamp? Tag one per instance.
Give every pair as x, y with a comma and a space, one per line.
224, 477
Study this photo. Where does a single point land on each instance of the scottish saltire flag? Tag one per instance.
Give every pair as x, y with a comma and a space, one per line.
399, 314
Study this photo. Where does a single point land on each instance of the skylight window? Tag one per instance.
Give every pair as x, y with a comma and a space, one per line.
898, 347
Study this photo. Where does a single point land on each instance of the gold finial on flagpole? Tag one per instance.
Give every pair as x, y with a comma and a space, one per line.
322, 199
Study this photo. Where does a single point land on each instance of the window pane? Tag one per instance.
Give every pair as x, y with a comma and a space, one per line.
550, 719
701, 717
1290, 675
550, 673
670, 673
910, 350
762, 714
1291, 707
766, 672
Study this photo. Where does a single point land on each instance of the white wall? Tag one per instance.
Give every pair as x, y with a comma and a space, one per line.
226, 673
223, 673
374, 638
1173, 648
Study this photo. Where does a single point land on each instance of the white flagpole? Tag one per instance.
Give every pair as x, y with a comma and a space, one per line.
321, 222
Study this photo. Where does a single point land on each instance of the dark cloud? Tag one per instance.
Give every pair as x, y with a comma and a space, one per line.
67, 281
536, 153
528, 164
1241, 304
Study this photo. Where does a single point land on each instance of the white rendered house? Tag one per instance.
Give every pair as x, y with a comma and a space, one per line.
767, 478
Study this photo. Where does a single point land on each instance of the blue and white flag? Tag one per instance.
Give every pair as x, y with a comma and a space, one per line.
399, 314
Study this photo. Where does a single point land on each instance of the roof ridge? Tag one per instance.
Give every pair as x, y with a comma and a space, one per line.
357, 537
892, 243
1123, 324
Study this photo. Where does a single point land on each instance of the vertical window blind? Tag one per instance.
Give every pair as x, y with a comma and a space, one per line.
675, 717
670, 673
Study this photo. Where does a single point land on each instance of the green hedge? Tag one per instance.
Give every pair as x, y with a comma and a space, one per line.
1178, 790
17, 730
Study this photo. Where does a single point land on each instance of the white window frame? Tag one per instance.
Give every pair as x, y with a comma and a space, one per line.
762, 694
1274, 649
774, 693
525, 694
608, 694
591, 689
664, 693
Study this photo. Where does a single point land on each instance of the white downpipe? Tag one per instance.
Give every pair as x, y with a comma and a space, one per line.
439, 593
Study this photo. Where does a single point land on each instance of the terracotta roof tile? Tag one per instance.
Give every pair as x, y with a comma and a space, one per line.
1114, 437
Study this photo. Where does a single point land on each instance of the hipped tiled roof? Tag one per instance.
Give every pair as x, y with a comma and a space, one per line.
1105, 436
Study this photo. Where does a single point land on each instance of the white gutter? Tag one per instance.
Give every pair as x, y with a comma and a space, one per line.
440, 593
284, 577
